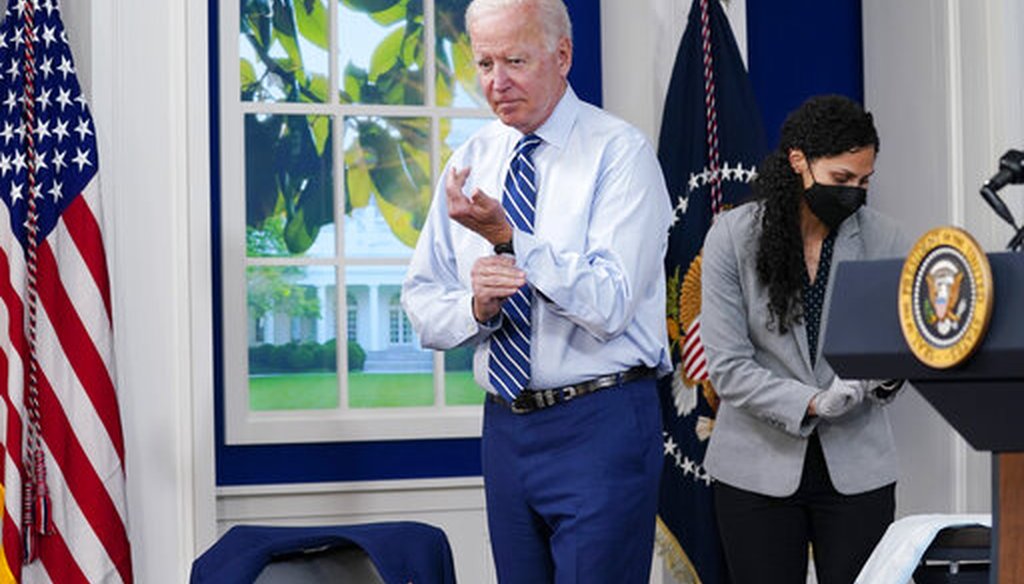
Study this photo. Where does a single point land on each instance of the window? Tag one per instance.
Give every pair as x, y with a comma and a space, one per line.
335, 118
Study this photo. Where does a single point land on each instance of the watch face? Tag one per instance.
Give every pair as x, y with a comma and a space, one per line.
504, 247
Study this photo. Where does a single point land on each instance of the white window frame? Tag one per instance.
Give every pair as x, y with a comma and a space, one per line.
242, 425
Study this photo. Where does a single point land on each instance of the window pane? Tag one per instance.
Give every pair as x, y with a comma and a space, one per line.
289, 190
283, 47
455, 131
387, 367
456, 82
381, 52
292, 338
388, 185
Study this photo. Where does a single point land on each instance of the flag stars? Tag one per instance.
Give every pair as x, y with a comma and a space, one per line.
63, 98
13, 70
19, 162
81, 159
726, 173
41, 161
7, 133
683, 463
670, 446
680, 209
56, 191
47, 67
61, 130
58, 161
688, 467
65, 67
48, 35
12, 101
35, 192
43, 130
44, 98
16, 193
83, 129
5, 164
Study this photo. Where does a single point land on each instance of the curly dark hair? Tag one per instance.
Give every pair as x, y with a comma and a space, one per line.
824, 126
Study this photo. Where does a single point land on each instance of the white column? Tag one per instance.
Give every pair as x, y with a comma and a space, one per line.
321, 323
375, 319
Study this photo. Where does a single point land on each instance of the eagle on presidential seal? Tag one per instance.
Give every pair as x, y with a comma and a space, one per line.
691, 371
943, 307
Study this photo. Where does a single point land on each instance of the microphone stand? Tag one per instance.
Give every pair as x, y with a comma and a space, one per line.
1017, 243
996, 203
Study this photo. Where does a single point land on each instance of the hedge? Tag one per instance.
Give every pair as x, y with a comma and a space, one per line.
303, 357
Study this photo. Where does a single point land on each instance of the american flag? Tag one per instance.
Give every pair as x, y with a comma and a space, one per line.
64, 512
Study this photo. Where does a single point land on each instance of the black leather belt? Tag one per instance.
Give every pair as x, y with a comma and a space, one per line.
531, 400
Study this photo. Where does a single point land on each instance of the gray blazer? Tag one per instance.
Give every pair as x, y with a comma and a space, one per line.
765, 379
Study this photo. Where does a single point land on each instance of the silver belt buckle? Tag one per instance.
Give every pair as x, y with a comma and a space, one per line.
519, 409
569, 392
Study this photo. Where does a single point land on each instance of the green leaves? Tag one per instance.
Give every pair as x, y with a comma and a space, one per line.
289, 158
311, 18
288, 172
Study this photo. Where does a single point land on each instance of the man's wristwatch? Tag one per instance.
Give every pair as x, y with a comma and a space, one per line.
504, 247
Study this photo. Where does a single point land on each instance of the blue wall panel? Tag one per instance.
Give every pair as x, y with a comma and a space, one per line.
799, 48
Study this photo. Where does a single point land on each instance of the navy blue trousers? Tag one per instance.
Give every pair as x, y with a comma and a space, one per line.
572, 490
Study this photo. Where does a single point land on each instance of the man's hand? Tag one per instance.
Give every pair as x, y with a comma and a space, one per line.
479, 213
494, 278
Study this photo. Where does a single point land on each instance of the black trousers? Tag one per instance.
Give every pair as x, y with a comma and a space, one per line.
766, 538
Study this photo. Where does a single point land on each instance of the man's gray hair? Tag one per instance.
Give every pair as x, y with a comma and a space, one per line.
553, 16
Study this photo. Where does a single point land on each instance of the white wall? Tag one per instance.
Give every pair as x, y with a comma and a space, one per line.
944, 81
142, 67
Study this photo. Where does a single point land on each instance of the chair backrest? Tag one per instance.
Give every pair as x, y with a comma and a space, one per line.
394, 552
335, 564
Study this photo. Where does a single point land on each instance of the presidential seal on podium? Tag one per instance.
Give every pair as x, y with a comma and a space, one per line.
945, 297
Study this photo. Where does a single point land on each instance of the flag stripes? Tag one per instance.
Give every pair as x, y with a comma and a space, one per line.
55, 306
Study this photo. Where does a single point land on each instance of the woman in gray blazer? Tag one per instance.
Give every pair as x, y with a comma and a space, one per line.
798, 455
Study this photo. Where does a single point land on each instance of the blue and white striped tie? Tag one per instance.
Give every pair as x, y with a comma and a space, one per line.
509, 363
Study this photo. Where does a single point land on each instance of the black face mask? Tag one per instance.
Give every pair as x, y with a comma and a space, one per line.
834, 203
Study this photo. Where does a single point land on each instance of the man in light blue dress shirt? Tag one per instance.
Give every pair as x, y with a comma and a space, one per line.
572, 429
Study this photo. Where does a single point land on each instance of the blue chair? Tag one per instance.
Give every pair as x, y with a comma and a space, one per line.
374, 553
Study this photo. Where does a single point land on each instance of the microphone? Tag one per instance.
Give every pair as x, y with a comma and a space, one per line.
1011, 171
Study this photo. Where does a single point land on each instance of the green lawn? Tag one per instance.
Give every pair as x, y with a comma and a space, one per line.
305, 391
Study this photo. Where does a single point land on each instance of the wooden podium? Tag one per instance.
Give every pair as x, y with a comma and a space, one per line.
982, 398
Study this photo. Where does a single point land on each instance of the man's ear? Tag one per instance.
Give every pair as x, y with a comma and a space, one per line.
564, 52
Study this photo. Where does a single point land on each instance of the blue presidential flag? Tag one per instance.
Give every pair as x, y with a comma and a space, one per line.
711, 142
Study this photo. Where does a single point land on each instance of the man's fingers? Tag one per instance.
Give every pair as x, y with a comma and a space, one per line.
456, 179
